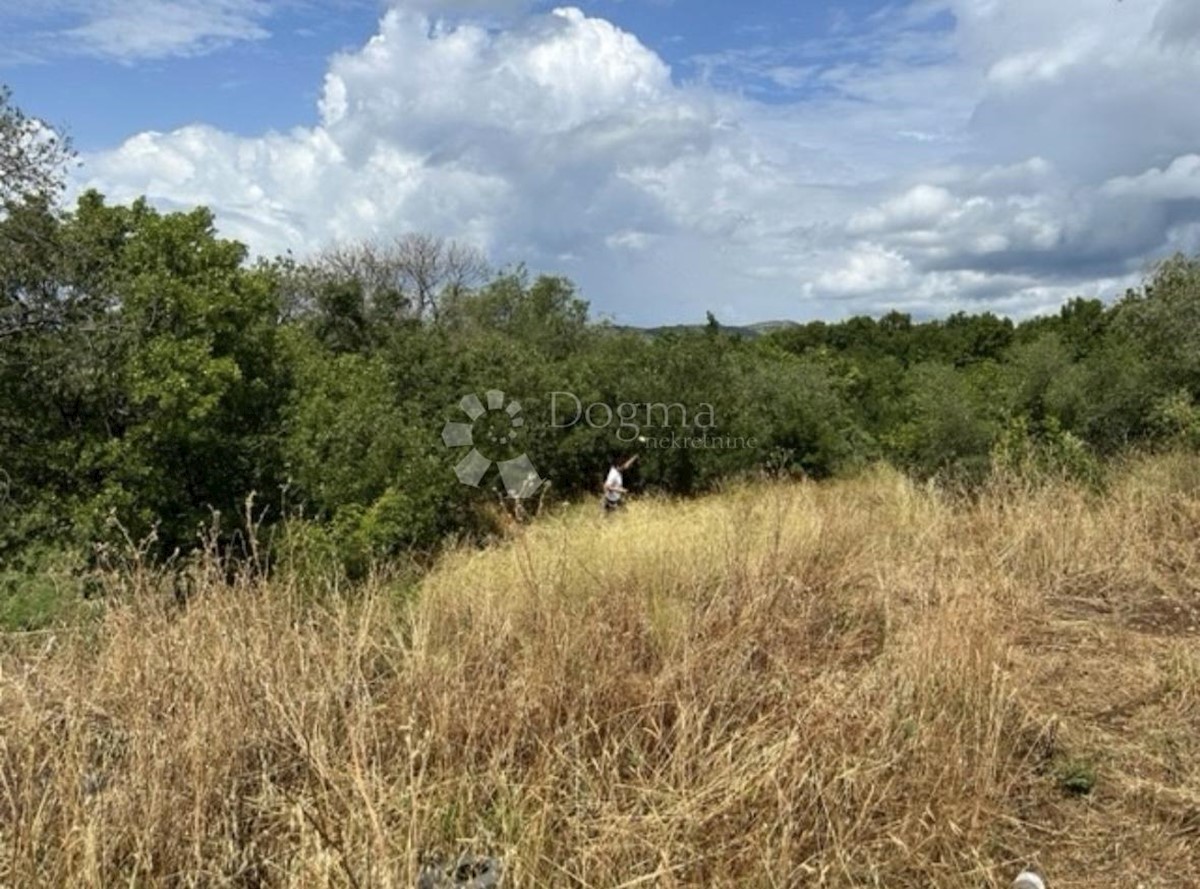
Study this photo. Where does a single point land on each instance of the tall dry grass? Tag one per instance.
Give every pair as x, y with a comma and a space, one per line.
864, 683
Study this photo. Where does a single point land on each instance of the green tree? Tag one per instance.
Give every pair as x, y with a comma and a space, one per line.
33, 156
144, 379
949, 430
1163, 320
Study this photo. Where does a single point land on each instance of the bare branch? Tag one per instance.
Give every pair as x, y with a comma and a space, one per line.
408, 276
33, 154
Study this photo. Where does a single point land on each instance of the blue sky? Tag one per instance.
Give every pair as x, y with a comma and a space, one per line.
103, 94
761, 159
271, 78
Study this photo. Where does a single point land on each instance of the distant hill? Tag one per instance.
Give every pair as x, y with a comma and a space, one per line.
750, 331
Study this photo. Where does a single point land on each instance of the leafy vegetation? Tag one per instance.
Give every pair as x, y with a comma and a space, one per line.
155, 385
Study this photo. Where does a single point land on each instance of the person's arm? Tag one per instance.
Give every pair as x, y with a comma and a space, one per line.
629, 462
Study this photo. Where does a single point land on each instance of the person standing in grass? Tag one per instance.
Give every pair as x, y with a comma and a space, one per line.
614, 484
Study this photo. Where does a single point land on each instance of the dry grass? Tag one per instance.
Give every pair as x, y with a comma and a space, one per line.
856, 684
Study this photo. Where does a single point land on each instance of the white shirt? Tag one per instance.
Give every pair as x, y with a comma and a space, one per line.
614, 480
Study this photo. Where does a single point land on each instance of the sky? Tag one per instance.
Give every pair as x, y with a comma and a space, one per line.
761, 160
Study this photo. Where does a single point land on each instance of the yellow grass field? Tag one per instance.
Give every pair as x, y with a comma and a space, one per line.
859, 683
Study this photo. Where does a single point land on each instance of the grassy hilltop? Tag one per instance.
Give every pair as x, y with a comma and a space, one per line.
860, 683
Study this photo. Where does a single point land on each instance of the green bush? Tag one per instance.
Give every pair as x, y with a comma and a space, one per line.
1045, 452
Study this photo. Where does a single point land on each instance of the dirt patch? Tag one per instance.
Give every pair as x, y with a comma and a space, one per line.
1139, 606
1163, 615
